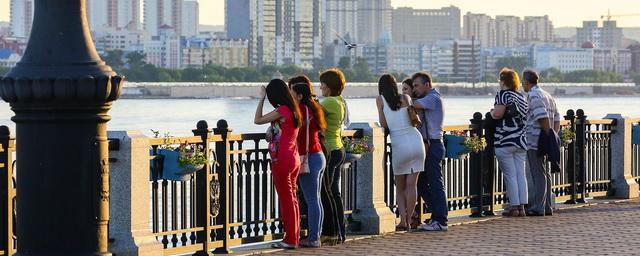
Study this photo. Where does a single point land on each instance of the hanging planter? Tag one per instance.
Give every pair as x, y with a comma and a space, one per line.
173, 170
455, 147
635, 135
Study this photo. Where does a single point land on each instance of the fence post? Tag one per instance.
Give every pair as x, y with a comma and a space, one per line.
475, 173
203, 192
222, 158
489, 158
7, 193
571, 156
581, 137
129, 229
373, 212
623, 184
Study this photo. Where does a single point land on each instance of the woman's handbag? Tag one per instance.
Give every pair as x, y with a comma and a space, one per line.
413, 116
304, 160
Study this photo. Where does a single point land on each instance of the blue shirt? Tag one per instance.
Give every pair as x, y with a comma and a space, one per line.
433, 115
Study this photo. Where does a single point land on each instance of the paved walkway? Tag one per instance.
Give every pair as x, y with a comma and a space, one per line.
600, 229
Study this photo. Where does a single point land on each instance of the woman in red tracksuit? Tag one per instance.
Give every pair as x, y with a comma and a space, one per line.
285, 162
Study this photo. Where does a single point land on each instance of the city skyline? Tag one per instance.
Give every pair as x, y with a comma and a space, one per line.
588, 10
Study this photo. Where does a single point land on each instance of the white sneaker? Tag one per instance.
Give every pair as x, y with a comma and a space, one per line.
433, 226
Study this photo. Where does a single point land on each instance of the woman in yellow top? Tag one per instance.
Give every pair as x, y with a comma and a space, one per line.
332, 83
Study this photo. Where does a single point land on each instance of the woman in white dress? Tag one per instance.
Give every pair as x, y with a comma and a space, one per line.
408, 150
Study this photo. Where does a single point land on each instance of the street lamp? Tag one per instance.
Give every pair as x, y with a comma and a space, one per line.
61, 92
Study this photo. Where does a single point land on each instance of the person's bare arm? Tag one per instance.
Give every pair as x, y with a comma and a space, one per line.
268, 118
381, 118
498, 111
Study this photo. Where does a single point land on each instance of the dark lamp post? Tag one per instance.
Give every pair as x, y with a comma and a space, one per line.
61, 92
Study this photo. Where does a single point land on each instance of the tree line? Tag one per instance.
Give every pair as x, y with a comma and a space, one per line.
134, 68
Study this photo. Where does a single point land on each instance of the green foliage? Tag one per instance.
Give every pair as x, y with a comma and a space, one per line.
357, 146
114, 59
190, 154
567, 135
635, 77
516, 63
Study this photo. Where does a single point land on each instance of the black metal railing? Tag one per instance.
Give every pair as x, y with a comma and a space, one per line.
243, 201
8, 244
587, 158
635, 150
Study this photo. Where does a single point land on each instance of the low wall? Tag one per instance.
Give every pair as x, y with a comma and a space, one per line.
356, 90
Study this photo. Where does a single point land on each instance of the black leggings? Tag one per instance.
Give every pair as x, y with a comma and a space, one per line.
333, 223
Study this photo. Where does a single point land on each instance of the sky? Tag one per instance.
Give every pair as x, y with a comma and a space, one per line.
563, 13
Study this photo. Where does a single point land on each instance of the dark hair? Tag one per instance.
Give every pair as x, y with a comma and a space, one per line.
510, 78
408, 81
302, 85
334, 79
388, 88
278, 94
426, 78
530, 76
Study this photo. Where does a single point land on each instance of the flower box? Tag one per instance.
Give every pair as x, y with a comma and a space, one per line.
171, 169
635, 135
455, 147
352, 157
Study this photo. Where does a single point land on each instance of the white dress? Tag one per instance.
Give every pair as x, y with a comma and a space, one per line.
406, 142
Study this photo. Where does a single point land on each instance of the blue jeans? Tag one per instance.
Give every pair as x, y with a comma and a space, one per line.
310, 185
433, 172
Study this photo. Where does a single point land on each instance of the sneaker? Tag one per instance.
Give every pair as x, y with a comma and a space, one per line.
310, 244
433, 226
283, 245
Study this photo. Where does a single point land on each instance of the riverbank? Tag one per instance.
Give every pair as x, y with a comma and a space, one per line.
356, 90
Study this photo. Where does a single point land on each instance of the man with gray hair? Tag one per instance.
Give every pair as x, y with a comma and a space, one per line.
542, 117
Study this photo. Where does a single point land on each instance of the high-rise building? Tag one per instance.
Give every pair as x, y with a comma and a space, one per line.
607, 36
199, 52
286, 32
162, 13
342, 19
236, 18
21, 18
482, 27
374, 18
563, 59
425, 25
508, 30
190, 18
116, 14
164, 49
612, 60
635, 57
538, 29
458, 60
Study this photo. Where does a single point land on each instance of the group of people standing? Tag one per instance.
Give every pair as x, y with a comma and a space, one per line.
306, 148
306, 135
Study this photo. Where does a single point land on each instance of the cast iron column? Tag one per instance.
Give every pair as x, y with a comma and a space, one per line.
61, 92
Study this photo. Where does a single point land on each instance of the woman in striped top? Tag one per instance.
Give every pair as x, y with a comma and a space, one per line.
510, 144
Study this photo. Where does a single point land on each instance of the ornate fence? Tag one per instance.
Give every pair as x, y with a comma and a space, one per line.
239, 202
635, 149
475, 174
7, 192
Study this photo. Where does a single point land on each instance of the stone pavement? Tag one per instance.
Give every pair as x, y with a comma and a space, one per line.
604, 228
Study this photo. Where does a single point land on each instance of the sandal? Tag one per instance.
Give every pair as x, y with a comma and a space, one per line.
401, 228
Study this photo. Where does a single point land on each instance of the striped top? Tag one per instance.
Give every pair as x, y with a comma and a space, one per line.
541, 105
510, 130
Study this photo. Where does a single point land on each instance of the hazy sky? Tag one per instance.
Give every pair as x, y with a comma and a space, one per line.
562, 12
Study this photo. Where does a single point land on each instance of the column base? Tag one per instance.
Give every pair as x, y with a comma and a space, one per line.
377, 220
626, 189
136, 244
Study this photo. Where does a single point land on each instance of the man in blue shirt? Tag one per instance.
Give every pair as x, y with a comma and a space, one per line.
430, 103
